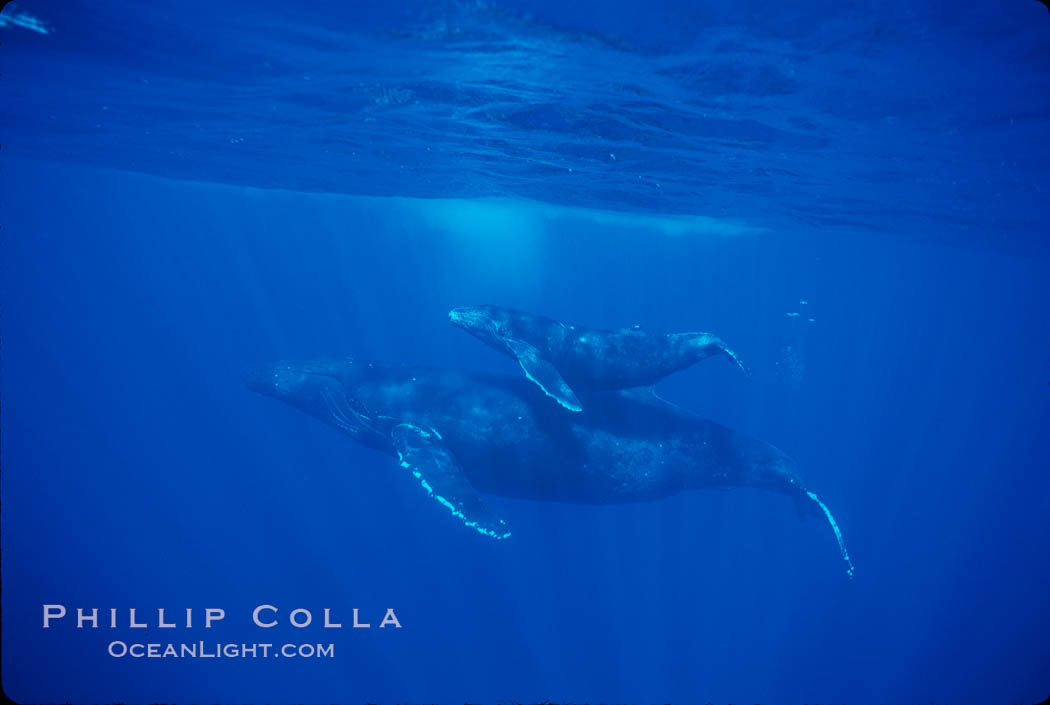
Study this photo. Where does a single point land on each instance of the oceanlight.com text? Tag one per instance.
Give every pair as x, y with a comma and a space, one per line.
202, 649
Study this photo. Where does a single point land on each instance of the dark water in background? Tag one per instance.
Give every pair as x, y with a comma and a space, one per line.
883, 163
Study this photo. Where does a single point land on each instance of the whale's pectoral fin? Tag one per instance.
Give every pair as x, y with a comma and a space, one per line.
426, 456
544, 374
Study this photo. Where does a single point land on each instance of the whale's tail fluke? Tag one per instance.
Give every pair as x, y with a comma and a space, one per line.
729, 351
698, 345
838, 534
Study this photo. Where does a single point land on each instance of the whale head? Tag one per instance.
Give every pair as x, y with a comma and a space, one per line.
485, 322
322, 390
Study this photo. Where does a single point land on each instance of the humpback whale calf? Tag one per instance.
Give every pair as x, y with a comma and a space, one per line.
462, 434
561, 358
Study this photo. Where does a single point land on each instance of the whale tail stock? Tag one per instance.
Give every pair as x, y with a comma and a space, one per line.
704, 345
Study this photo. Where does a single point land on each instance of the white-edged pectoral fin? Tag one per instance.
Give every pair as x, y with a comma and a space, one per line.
425, 455
544, 374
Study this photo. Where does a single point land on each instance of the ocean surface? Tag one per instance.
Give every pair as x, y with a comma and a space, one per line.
853, 195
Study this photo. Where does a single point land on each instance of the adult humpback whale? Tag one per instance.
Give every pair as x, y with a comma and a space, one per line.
561, 358
463, 434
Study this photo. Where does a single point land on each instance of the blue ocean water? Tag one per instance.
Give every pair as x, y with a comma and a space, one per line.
195, 189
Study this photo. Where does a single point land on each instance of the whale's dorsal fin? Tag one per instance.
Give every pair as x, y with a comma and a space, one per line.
646, 395
543, 373
643, 394
426, 456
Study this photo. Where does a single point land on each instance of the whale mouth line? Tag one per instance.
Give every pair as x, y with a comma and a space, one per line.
460, 317
838, 534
